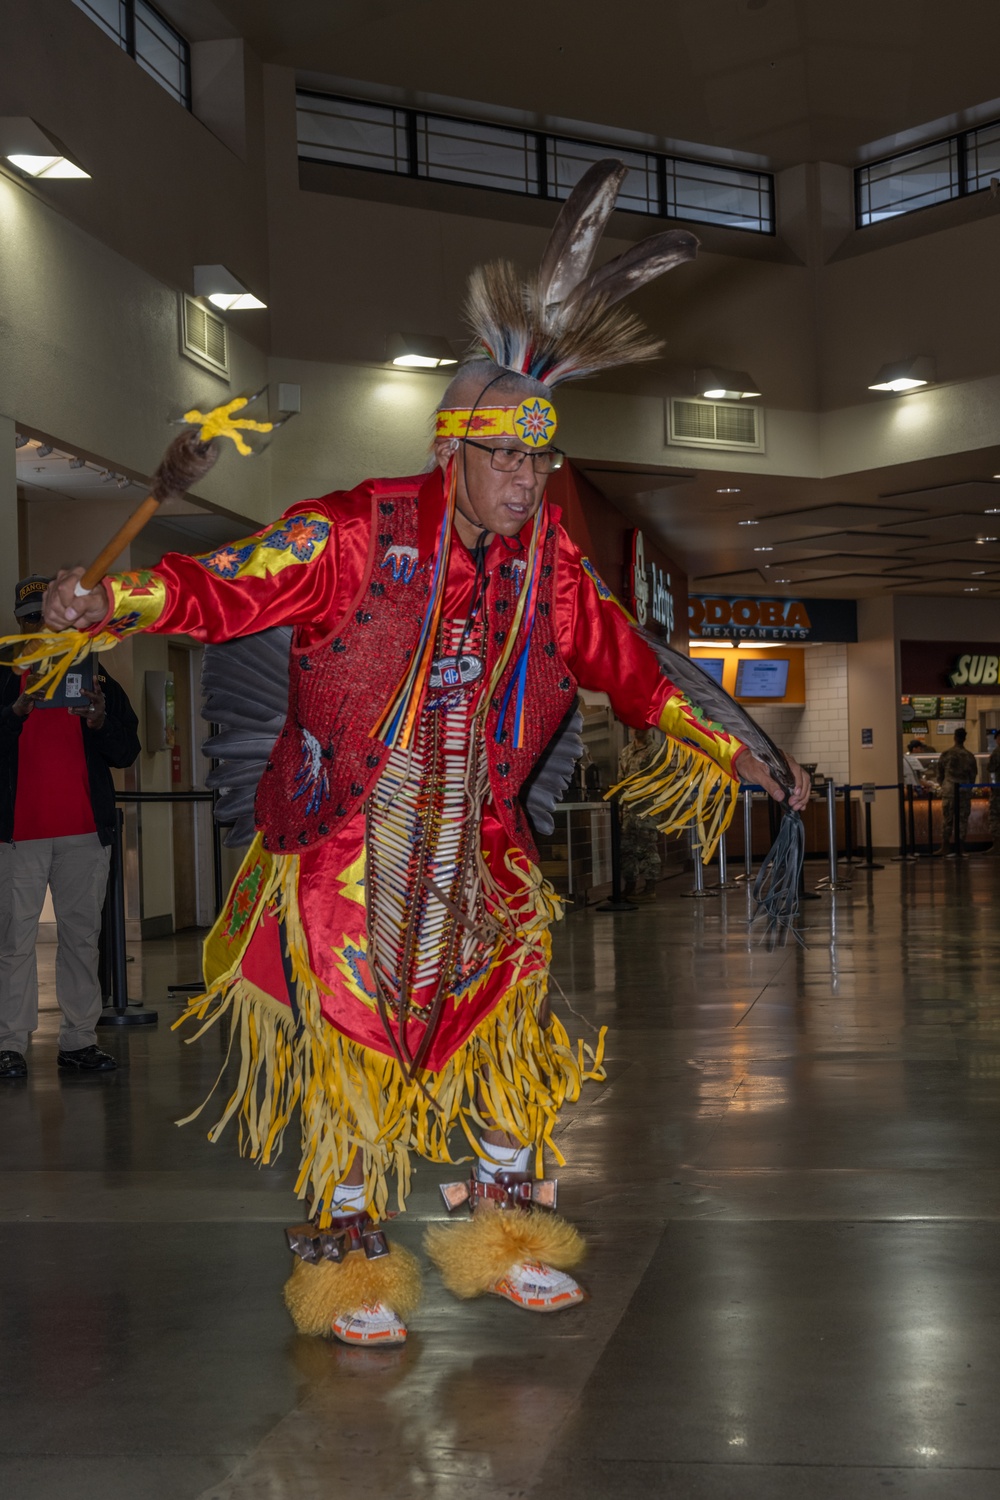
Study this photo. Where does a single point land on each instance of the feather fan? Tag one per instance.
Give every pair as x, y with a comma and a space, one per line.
245, 689
779, 879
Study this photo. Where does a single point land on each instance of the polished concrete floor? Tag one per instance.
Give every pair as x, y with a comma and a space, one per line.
791, 1187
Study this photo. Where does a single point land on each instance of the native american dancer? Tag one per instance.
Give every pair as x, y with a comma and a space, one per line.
383, 954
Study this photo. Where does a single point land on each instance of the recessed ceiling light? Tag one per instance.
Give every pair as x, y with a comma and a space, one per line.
729, 490
981, 540
978, 573
763, 549
781, 580
971, 591
748, 523
994, 510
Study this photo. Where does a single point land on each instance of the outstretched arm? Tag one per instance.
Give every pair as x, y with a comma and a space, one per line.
607, 654
284, 574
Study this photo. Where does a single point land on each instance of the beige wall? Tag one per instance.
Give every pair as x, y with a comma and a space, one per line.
873, 703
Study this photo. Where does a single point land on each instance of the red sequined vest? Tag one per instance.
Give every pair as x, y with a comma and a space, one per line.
324, 762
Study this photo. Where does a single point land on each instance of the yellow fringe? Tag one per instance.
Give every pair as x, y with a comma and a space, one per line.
353, 1099
683, 789
51, 654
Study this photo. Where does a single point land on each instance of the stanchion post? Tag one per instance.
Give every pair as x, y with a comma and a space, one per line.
725, 884
956, 822
869, 795
618, 901
848, 826
830, 882
912, 820
701, 891
903, 851
748, 833
121, 1013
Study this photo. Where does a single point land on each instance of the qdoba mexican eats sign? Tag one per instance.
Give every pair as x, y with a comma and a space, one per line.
719, 619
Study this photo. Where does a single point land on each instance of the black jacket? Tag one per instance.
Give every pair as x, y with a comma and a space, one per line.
116, 743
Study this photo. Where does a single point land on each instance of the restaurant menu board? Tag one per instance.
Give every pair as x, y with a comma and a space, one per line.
926, 708
762, 679
951, 708
713, 665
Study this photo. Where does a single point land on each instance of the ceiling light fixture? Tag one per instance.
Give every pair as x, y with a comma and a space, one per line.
763, 549
20, 441
982, 540
904, 375
748, 523
419, 351
724, 385
78, 463
729, 490
974, 590
34, 152
43, 450
224, 290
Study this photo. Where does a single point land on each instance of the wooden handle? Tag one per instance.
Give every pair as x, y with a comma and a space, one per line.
118, 543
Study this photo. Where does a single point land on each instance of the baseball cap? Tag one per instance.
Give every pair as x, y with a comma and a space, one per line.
28, 596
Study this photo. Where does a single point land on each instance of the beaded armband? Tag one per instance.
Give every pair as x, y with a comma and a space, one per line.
138, 599
684, 721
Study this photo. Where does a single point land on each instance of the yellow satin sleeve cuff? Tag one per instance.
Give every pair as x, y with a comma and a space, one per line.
138, 599
681, 720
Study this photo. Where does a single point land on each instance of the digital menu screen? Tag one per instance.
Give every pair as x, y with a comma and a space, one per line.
762, 679
952, 708
713, 665
924, 708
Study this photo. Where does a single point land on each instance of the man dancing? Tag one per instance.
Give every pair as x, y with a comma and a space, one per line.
383, 954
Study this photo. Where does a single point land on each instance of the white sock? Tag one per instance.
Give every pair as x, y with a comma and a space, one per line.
502, 1159
348, 1198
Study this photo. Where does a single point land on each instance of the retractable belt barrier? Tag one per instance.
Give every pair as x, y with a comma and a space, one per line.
113, 960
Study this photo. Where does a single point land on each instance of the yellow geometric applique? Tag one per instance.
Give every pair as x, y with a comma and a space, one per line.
299, 539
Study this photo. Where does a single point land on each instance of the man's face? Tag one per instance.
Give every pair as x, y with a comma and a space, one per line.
30, 624
501, 502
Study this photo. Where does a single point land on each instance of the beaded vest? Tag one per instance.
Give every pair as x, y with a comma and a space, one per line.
324, 762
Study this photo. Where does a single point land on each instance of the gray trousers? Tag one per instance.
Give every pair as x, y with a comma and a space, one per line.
75, 869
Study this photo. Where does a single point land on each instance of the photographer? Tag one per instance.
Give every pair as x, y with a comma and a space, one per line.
57, 819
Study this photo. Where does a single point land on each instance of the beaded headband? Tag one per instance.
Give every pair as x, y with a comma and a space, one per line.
534, 422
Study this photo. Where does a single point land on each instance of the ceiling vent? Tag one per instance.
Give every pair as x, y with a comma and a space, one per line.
204, 337
714, 424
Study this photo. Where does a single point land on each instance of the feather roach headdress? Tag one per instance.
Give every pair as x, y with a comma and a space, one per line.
563, 323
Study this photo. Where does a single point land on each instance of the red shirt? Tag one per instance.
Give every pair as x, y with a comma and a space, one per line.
53, 788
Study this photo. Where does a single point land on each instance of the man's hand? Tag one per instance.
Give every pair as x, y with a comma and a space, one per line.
95, 715
749, 768
65, 609
23, 705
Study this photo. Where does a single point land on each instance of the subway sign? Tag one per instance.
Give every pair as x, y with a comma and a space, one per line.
715, 618
975, 669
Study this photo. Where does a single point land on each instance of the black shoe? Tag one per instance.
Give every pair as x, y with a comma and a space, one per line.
12, 1065
87, 1060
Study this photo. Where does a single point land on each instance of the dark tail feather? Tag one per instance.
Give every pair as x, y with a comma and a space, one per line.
779, 879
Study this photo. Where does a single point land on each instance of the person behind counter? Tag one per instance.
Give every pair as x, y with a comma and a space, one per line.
955, 767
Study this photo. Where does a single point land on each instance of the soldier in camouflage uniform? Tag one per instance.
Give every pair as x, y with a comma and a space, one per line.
640, 839
955, 766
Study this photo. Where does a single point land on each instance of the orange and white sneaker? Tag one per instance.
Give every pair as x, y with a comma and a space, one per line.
538, 1287
373, 1323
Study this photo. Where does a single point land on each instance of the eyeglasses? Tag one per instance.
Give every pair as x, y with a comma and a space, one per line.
509, 460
